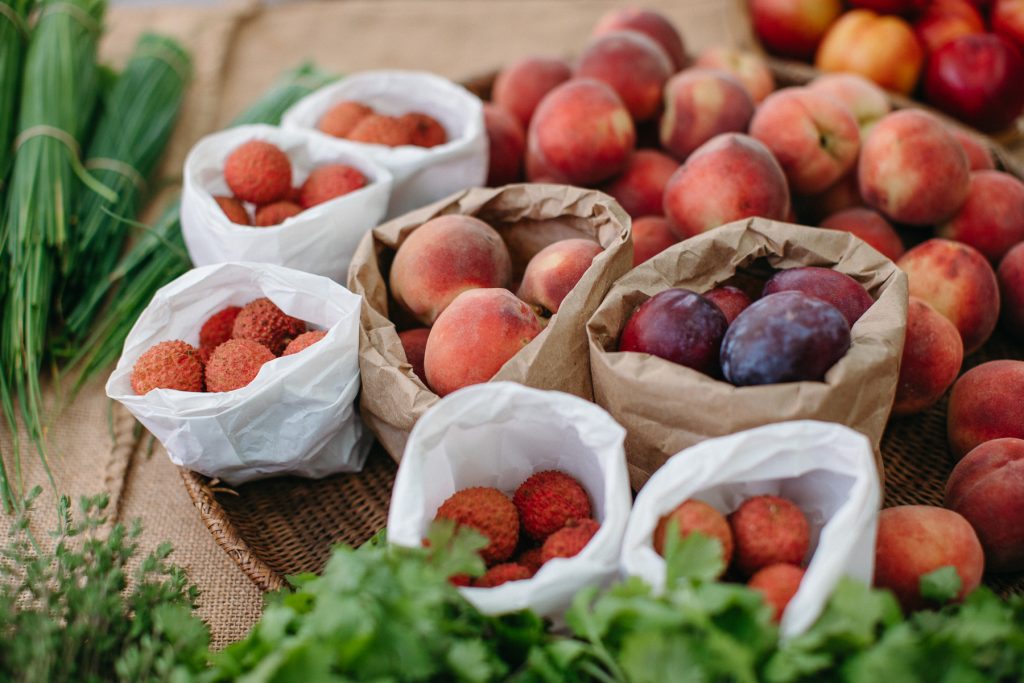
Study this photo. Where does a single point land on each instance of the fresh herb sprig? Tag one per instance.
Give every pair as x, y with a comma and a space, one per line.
13, 38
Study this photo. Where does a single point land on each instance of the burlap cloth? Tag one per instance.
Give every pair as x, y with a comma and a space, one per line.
239, 48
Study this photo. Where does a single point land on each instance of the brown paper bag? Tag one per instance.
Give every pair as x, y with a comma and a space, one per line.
528, 217
666, 407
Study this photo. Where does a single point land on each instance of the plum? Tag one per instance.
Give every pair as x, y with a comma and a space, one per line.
680, 326
784, 337
831, 286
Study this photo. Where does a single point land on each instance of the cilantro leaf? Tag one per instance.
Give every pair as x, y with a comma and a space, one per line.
941, 585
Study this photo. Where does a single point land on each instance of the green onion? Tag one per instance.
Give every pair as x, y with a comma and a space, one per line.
13, 34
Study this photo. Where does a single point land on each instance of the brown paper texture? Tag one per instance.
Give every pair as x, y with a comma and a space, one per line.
528, 217
666, 407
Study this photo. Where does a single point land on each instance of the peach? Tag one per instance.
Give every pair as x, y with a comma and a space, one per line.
958, 283
414, 343
581, 134
507, 141
778, 583
443, 258
730, 177
883, 49
992, 218
986, 404
651, 236
749, 68
474, 336
1011, 289
866, 101
695, 516
912, 170
979, 157
654, 25
932, 355
700, 104
944, 20
1008, 20
554, 271
641, 186
844, 194
793, 28
730, 300
914, 540
987, 488
521, 85
814, 137
634, 66
870, 226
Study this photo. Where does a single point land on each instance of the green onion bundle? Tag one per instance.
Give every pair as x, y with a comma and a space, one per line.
137, 121
13, 35
60, 87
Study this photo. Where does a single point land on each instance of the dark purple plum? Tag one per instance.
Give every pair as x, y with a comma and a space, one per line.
784, 337
677, 325
836, 288
731, 300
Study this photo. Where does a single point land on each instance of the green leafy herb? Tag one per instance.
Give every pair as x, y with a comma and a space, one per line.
941, 585
13, 37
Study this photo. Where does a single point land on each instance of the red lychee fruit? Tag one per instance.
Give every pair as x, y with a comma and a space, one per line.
233, 209
461, 580
235, 363
491, 513
502, 573
779, 583
769, 530
377, 129
327, 182
263, 322
549, 500
258, 172
570, 540
424, 130
340, 119
276, 213
303, 342
217, 328
168, 365
696, 516
532, 559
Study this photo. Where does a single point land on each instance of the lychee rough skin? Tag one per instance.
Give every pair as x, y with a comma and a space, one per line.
778, 583
168, 365
263, 322
235, 363
548, 501
217, 328
532, 559
377, 129
424, 130
696, 516
491, 513
233, 209
258, 172
340, 119
569, 541
329, 182
502, 573
303, 342
769, 530
276, 213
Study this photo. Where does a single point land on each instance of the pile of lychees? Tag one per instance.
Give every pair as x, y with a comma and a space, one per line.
234, 343
357, 122
549, 516
764, 541
260, 174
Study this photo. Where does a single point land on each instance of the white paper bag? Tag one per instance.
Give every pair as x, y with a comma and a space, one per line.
296, 417
422, 175
320, 240
828, 470
498, 434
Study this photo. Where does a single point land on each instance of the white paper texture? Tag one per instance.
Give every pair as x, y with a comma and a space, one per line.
498, 434
296, 417
320, 240
422, 175
828, 470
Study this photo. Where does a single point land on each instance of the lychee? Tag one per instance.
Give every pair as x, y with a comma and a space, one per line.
263, 322
258, 172
461, 580
217, 328
340, 119
377, 129
549, 500
502, 573
233, 209
532, 559
235, 363
276, 213
327, 182
570, 540
696, 516
769, 530
778, 583
303, 342
424, 130
169, 365
491, 513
